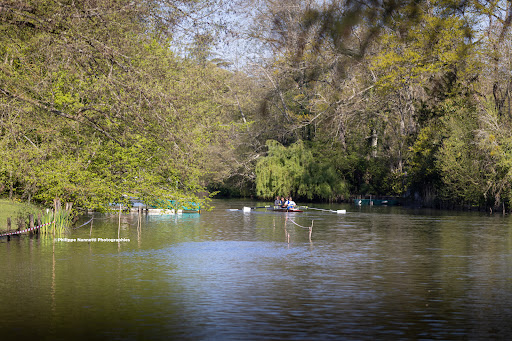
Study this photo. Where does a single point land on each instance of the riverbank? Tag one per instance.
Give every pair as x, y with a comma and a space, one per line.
14, 209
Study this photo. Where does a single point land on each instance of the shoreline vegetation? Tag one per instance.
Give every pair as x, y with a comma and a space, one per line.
408, 99
19, 212
55, 224
21, 215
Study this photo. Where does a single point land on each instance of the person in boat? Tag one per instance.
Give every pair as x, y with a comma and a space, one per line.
290, 204
283, 202
278, 201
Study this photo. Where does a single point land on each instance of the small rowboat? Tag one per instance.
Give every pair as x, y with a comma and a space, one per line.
283, 209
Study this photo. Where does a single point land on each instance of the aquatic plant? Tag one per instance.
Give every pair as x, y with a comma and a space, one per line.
56, 222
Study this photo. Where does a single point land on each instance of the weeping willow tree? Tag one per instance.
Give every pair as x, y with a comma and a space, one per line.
296, 171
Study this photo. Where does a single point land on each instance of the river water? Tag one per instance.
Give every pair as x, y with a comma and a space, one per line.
372, 273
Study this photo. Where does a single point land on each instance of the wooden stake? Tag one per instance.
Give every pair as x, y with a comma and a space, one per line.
119, 227
90, 231
139, 225
31, 223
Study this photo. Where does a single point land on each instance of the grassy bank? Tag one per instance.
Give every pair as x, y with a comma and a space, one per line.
19, 213
14, 209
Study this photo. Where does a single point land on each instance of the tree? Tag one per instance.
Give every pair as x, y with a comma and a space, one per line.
100, 108
294, 171
376, 79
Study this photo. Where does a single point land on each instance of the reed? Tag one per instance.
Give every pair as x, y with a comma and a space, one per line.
59, 220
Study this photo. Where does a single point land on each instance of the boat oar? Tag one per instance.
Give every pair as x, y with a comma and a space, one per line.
248, 209
317, 209
325, 210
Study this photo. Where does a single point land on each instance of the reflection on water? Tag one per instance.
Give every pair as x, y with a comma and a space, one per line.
375, 272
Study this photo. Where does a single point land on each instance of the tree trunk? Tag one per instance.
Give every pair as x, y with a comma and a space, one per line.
374, 143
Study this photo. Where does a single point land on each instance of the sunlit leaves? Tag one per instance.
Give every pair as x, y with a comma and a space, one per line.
98, 108
435, 46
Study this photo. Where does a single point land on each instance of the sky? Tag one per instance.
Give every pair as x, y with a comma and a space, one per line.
228, 21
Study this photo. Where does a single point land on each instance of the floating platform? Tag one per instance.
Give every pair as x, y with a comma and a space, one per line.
164, 208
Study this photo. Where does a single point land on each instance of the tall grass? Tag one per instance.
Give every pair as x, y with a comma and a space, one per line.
59, 221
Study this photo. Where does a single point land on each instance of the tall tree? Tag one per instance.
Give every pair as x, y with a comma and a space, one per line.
375, 79
97, 105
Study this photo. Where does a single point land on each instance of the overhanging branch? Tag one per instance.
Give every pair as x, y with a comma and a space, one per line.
60, 113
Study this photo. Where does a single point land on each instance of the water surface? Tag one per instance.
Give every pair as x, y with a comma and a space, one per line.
372, 273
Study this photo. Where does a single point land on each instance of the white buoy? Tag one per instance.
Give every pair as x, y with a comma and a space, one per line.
341, 211
247, 209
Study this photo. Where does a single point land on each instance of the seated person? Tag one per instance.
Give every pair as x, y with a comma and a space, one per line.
278, 201
290, 203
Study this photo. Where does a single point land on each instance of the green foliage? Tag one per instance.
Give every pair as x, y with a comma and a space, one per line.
458, 162
422, 171
431, 47
95, 109
294, 171
400, 92
15, 208
494, 144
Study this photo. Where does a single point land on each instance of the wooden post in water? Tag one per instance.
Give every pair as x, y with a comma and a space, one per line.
119, 227
9, 228
31, 224
285, 231
39, 223
56, 204
90, 232
139, 224
310, 230
139, 218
